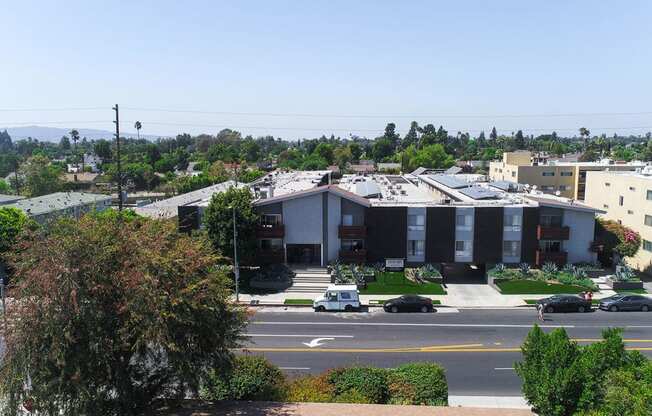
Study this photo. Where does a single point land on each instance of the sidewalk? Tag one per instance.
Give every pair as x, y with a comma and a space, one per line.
335, 409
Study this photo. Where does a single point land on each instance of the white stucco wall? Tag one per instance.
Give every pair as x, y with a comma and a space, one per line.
582, 226
303, 220
334, 220
465, 235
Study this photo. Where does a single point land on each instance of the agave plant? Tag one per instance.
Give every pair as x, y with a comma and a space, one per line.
579, 273
549, 269
624, 273
569, 268
524, 269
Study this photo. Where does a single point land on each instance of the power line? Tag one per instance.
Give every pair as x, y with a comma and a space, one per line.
435, 116
53, 109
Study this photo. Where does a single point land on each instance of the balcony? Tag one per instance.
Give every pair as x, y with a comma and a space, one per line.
557, 257
358, 256
545, 232
267, 256
350, 232
270, 231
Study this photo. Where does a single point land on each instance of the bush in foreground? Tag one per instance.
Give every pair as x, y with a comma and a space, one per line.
250, 378
418, 383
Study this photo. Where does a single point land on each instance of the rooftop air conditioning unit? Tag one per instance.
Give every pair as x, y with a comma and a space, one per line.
403, 192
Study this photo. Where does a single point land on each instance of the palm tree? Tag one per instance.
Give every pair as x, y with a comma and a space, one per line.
585, 133
74, 135
138, 126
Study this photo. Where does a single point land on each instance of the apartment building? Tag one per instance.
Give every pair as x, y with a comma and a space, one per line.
566, 179
626, 197
60, 204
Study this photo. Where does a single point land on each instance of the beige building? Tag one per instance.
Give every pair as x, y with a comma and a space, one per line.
549, 176
626, 197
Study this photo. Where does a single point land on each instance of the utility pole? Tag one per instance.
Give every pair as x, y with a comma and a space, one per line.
117, 141
235, 260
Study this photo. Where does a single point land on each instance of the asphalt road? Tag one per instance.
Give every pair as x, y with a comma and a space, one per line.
478, 348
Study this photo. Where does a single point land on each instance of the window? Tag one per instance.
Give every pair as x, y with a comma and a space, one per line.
550, 220
631, 188
649, 195
512, 222
563, 187
621, 200
463, 222
345, 295
648, 220
270, 220
550, 246
647, 245
347, 219
548, 173
513, 174
462, 248
511, 248
605, 206
416, 247
630, 212
416, 222
352, 245
548, 188
271, 244
569, 173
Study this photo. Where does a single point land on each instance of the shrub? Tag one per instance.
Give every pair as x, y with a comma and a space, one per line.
250, 378
369, 382
524, 268
549, 269
310, 389
418, 383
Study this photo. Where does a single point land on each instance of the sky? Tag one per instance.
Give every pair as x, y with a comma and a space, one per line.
299, 69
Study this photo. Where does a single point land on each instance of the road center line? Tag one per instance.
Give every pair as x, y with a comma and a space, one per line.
419, 324
298, 336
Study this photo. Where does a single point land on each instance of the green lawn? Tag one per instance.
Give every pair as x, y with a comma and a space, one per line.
298, 302
538, 287
638, 291
395, 283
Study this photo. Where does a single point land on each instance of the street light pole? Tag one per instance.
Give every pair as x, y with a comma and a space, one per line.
235, 259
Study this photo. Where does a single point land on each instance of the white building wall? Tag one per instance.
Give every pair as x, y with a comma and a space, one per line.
512, 234
465, 234
582, 228
334, 220
303, 220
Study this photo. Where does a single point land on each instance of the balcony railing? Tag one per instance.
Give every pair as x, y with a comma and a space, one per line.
352, 231
269, 256
270, 231
557, 257
545, 232
358, 256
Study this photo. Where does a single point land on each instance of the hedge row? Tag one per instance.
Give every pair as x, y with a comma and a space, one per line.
254, 378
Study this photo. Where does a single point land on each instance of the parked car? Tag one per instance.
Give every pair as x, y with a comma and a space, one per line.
626, 302
408, 303
565, 303
338, 298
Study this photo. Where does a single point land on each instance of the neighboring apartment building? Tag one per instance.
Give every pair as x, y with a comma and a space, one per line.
61, 204
626, 197
549, 176
429, 218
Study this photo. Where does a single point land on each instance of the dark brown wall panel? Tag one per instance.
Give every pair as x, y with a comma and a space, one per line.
440, 234
529, 241
386, 233
488, 235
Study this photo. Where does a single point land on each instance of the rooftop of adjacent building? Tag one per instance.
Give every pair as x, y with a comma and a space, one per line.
57, 201
8, 199
639, 173
542, 159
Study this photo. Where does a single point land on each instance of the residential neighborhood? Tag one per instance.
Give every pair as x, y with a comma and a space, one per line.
309, 209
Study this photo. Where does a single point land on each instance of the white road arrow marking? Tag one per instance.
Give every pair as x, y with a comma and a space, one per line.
316, 342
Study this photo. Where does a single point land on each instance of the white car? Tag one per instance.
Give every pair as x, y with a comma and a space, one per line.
338, 298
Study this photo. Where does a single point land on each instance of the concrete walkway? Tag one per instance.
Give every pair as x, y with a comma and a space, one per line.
334, 409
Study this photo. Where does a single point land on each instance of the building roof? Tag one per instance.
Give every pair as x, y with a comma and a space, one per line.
559, 202
362, 168
479, 192
449, 181
168, 208
58, 201
8, 199
367, 189
453, 170
320, 189
81, 177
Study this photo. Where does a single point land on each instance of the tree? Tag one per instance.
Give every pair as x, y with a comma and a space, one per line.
40, 177
391, 136
5, 142
356, 151
412, 136
74, 135
127, 310
64, 143
382, 149
325, 151
519, 140
342, 156
4, 187
493, 136
218, 219
12, 222
584, 134
102, 148
138, 126
431, 156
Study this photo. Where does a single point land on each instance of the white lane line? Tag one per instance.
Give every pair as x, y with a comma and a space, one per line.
420, 325
294, 368
298, 336
503, 368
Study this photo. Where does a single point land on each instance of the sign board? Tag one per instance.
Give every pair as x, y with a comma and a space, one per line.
395, 264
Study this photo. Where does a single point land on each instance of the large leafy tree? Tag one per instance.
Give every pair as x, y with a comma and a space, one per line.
109, 314
40, 177
218, 219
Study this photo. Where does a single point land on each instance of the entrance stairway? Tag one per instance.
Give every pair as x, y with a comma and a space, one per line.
309, 280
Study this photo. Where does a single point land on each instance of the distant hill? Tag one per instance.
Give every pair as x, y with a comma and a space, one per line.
54, 134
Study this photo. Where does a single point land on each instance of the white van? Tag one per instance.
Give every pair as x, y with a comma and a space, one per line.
338, 298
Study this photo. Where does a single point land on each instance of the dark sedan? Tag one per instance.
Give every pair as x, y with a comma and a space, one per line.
565, 303
409, 303
626, 302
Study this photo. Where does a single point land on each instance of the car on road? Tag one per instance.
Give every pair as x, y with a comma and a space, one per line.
408, 303
565, 303
338, 298
626, 302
